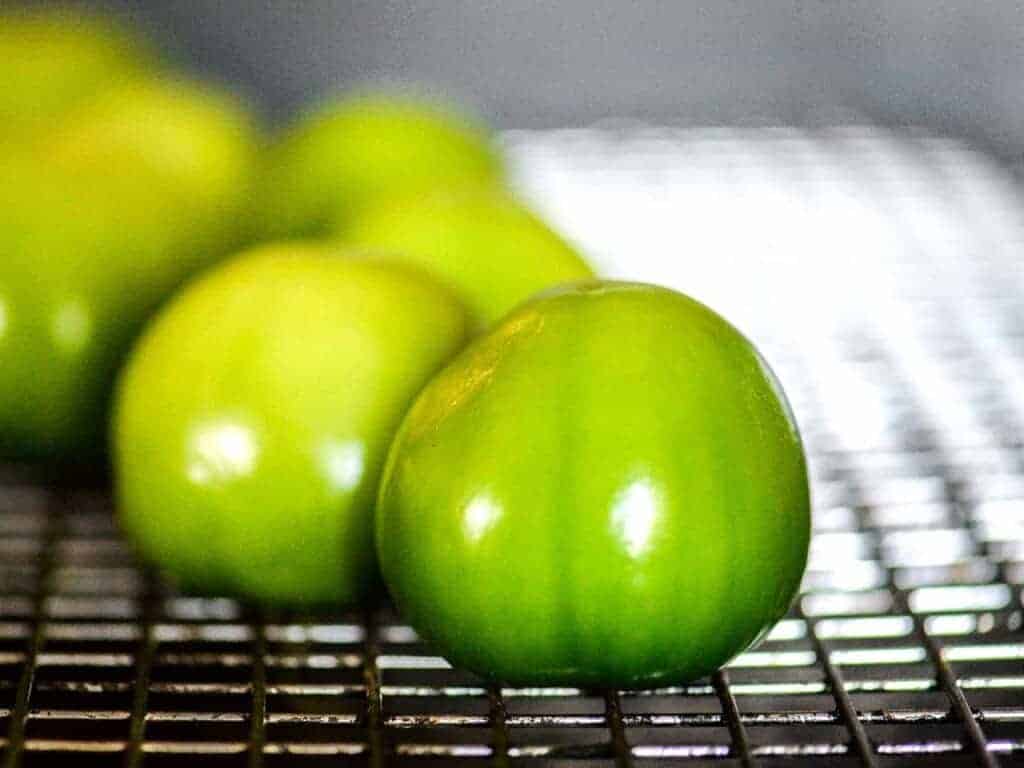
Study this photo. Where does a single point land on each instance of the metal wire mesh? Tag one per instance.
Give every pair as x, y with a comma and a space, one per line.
905, 365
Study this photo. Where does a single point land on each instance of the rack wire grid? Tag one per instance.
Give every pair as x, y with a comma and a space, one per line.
879, 272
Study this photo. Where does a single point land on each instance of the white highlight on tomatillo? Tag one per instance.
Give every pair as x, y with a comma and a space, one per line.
634, 516
220, 451
481, 515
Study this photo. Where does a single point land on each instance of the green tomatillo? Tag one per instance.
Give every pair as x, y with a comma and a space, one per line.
81, 267
491, 249
253, 419
359, 151
198, 142
52, 60
607, 489
101, 218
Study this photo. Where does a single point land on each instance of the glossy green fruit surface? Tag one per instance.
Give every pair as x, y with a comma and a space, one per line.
254, 417
82, 264
492, 250
608, 489
361, 151
52, 60
100, 220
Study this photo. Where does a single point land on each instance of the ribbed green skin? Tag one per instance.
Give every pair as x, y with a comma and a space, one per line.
253, 419
607, 489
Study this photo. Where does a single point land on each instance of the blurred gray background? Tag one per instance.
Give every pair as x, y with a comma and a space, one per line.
956, 67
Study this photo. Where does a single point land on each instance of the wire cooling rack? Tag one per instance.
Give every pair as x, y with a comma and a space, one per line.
880, 273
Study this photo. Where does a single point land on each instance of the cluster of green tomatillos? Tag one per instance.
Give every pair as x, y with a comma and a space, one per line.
599, 483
